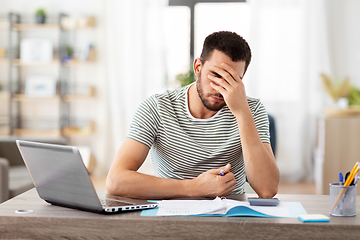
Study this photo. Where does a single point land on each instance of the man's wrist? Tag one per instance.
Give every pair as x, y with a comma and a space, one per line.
188, 188
243, 113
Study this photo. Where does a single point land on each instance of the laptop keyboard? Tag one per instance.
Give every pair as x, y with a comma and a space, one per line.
114, 203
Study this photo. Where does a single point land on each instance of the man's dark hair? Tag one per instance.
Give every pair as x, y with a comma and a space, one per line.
230, 43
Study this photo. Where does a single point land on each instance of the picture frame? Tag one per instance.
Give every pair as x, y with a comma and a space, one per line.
36, 50
40, 86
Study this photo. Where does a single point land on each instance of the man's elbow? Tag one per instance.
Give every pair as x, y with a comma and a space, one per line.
269, 190
112, 186
268, 193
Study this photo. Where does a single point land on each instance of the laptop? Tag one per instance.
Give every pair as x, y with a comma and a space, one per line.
61, 178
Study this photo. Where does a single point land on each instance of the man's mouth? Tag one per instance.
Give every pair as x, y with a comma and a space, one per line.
217, 98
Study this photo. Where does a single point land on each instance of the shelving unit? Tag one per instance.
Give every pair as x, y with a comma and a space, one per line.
4, 94
59, 104
70, 95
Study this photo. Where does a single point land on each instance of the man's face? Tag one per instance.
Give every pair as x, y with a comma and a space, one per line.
212, 99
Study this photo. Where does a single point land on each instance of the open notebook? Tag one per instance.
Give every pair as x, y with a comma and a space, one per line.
224, 207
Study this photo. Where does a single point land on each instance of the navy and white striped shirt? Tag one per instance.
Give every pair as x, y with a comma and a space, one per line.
183, 147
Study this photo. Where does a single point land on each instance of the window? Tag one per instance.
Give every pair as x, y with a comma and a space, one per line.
177, 40
213, 17
185, 33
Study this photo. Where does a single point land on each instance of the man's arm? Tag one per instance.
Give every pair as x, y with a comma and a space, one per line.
261, 169
124, 180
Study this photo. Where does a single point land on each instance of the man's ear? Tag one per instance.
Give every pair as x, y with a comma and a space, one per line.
197, 67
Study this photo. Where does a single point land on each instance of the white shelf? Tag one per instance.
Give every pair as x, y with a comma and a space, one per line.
4, 61
76, 97
78, 131
4, 95
37, 132
25, 98
4, 26
4, 131
79, 63
18, 62
33, 27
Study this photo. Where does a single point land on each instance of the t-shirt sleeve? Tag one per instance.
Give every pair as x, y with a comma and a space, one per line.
144, 126
262, 122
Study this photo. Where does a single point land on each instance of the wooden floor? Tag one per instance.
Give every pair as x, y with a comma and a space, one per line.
306, 188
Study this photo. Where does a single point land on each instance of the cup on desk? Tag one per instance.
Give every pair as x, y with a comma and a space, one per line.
346, 200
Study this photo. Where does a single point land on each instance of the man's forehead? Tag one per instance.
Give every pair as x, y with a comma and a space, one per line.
217, 58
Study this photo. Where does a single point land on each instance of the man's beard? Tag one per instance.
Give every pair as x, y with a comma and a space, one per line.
205, 99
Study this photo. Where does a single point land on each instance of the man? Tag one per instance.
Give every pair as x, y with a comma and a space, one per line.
205, 138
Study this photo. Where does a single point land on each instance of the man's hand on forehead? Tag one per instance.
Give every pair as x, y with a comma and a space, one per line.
215, 74
228, 83
224, 71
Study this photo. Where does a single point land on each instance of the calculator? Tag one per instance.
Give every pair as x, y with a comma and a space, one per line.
254, 201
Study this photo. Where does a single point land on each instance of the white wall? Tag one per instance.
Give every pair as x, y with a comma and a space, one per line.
344, 38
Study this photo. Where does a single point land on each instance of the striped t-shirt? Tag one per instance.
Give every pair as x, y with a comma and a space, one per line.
183, 147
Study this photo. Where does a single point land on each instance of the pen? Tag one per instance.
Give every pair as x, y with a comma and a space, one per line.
347, 183
341, 178
346, 176
356, 179
222, 172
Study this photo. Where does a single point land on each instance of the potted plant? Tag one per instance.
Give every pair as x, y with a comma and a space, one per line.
40, 16
186, 78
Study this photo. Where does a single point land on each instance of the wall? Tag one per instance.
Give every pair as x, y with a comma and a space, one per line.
344, 39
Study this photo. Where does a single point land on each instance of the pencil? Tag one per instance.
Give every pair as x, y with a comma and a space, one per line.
347, 183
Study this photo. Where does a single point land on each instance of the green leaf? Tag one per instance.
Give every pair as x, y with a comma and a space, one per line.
186, 78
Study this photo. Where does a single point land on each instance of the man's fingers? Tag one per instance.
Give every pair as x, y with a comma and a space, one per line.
227, 168
232, 72
218, 88
227, 73
229, 178
230, 186
220, 82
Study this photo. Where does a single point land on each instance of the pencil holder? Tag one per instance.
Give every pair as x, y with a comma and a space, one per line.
342, 200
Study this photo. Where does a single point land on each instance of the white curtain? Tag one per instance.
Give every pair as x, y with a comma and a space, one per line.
290, 51
134, 67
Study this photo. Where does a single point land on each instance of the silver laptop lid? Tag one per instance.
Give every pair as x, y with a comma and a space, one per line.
59, 175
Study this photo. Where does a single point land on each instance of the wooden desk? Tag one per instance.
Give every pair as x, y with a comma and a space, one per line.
52, 222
